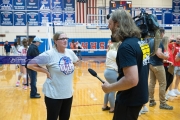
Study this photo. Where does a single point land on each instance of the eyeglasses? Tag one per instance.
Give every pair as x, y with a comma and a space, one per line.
63, 39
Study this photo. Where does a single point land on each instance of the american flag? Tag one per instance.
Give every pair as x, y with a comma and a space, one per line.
84, 7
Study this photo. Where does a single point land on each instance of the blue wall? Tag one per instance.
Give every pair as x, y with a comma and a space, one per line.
97, 42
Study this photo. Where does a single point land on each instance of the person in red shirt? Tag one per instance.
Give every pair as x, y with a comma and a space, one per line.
175, 47
169, 69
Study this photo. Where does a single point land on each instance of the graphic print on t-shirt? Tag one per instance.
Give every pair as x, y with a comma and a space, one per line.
66, 65
146, 51
24, 52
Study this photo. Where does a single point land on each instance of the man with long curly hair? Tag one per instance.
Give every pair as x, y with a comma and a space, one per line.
132, 60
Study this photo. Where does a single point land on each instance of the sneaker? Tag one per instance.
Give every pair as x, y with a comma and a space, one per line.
144, 109
176, 92
17, 83
171, 93
167, 97
165, 106
152, 103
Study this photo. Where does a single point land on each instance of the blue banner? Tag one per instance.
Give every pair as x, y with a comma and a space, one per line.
57, 5
6, 5
12, 59
69, 11
44, 4
69, 5
69, 17
176, 18
0, 18
6, 18
176, 12
32, 4
45, 17
33, 18
176, 6
57, 18
167, 16
20, 18
19, 60
19, 4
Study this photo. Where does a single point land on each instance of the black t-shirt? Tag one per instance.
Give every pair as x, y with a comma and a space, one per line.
32, 52
155, 60
132, 52
7, 47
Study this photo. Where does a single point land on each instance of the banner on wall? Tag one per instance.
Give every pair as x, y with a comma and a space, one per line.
176, 6
20, 18
69, 5
167, 16
19, 4
32, 4
0, 19
69, 11
176, 18
57, 18
44, 4
6, 5
7, 18
176, 11
69, 17
57, 5
33, 18
45, 16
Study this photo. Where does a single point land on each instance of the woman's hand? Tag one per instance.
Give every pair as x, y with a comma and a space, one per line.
48, 75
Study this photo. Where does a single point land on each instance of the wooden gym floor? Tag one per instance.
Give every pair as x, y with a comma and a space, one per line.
15, 103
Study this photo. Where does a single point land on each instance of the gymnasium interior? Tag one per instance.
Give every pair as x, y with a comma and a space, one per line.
84, 21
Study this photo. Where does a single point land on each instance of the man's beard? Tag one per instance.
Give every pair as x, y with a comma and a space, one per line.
115, 37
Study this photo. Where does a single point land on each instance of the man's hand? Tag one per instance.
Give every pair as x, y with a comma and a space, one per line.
106, 87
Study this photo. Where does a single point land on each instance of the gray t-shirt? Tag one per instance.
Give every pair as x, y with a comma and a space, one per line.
61, 69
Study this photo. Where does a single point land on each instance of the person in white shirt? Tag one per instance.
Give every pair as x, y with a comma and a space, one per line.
15, 52
111, 75
15, 49
58, 87
22, 52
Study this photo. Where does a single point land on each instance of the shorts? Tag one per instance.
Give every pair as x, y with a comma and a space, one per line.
177, 70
